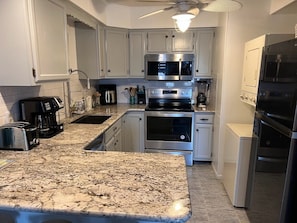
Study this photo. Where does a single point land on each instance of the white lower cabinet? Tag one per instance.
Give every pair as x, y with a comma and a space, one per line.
133, 132
113, 137
203, 137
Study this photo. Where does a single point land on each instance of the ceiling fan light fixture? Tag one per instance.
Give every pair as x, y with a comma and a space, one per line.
223, 6
183, 20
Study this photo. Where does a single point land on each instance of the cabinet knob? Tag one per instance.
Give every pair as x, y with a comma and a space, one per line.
140, 119
142, 71
173, 36
197, 130
166, 36
197, 71
108, 70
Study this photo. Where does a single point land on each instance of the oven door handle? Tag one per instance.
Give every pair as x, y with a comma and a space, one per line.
169, 114
276, 126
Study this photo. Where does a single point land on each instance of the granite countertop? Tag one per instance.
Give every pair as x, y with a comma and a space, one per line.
59, 176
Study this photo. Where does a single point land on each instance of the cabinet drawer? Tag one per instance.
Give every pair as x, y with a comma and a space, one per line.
112, 130
204, 118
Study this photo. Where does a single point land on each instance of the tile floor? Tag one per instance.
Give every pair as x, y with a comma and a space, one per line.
209, 200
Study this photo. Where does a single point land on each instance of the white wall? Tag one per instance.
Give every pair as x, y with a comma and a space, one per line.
251, 21
127, 17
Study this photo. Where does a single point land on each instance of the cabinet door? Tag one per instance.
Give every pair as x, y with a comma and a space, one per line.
183, 42
118, 141
86, 50
137, 51
109, 146
133, 132
49, 38
116, 52
158, 41
251, 64
203, 142
204, 47
101, 50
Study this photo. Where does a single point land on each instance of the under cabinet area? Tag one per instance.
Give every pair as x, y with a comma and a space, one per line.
36, 35
113, 137
133, 132
203, 136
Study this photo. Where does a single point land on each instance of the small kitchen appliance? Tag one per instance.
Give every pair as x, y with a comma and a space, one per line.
203, 87
18, 136
141, 99
41, 112
169, 122
172, 67
108, 94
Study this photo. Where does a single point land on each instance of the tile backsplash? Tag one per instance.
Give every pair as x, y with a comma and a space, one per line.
10, 96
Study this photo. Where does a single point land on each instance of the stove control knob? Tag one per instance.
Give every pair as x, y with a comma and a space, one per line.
182, 137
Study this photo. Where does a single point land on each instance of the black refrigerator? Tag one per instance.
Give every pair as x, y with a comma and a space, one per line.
272, 181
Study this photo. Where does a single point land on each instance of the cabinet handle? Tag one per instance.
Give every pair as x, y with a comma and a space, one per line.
34, 72
204, 119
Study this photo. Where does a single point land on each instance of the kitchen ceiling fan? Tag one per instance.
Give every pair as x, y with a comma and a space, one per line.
189, 9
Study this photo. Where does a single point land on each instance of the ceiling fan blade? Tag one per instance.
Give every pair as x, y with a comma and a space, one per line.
223, 6
155, 12
194, 11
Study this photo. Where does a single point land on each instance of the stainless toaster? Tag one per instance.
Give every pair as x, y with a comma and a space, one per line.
18, 136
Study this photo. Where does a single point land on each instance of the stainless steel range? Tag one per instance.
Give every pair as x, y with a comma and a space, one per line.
169, 122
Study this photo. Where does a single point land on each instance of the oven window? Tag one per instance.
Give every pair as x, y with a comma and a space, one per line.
169, 128
273, 151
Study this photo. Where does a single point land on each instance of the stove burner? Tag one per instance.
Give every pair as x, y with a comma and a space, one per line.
161, 104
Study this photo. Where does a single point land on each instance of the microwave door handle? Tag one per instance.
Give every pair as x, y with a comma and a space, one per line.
107, 96
179, 69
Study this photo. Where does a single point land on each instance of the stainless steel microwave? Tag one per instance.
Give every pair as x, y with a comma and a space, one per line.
169, 66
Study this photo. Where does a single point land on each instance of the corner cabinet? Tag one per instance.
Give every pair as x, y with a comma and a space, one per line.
33, 42
204, 51
133, 132
203, 136
116, 52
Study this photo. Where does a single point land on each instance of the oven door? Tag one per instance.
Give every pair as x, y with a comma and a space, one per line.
270, 181
168, 130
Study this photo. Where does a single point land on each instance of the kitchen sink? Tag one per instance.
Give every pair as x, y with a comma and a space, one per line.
91, 119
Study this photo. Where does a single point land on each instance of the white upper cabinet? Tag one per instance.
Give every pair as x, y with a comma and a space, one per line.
166, 41
116, 52
87, 50
101, 50
204, 50
183, 42
137, 41
33, 42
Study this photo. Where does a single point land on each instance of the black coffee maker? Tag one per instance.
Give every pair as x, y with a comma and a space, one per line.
41, 112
